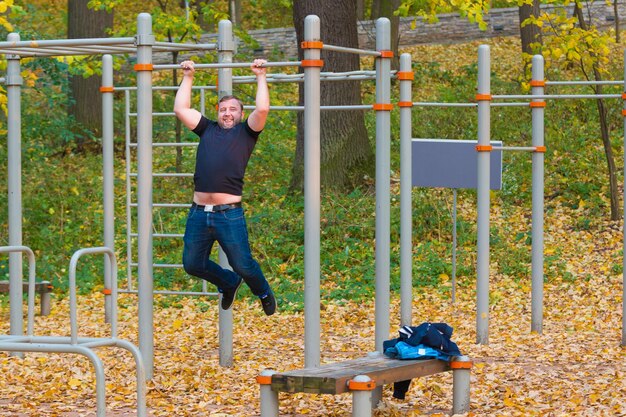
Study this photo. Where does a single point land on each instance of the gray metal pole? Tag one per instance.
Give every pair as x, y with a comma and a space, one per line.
454, 241
484, 156
461, 376
406, 219
145, 40
269, 398
226, 46
362, 404
383, 176
14, 166
108, 170
312, 196
624, 221
537, 196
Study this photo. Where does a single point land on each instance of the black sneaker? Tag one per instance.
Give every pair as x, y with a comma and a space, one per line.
229, 296
269, 303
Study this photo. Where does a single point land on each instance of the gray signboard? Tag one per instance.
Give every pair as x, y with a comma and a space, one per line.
452, 164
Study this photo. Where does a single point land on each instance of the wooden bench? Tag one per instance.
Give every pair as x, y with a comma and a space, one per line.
43, 288
360, 377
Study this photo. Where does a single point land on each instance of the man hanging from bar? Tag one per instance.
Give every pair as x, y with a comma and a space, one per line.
216, 213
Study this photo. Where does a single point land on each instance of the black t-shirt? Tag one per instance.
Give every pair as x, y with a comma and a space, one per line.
222, 156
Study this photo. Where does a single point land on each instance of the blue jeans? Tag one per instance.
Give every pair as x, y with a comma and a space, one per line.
229, 229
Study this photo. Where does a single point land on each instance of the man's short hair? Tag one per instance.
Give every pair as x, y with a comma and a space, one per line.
231, 97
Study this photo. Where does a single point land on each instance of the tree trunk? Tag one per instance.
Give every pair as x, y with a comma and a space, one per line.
375, 9
360, 9
604, 130
346, 153
529, 33
616, 13
234, 11
205, 22
82, 22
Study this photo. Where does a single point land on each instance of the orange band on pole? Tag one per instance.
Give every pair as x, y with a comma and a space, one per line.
311, 44
107, 291
143, 67
312, 63
623, 96
386, 54
382, 107
405, 104
483, 97
106, 89
461, 365
361, 386
538, 83
535, 104
624, 112
405, 75
264, 379
484, 148
541, 149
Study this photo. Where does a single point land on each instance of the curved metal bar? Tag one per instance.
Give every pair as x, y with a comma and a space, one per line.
113, 283
141, 375
90, 354
31, 282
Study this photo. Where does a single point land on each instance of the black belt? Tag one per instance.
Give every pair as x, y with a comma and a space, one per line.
217, 207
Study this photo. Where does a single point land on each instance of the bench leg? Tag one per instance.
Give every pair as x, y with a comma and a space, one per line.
45, 300
461, 371
269, 398
362, 387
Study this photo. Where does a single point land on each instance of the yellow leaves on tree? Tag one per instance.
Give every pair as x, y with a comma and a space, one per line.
5, 5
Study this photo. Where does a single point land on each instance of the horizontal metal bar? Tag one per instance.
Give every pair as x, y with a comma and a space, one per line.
553, 96
435, 104
166, 88
166, 205
514, 148
187, 46
156, 114
164, 235
134, 264
608, 82
66, 42
167, 175
229, 65
166, 144
164, 292
301, 108
509, 104
350, 50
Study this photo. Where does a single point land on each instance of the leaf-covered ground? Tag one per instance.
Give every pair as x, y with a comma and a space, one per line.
575, 368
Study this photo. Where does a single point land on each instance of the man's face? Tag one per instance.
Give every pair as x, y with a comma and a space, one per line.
229, 113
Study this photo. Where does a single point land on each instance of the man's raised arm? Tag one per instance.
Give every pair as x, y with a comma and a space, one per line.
257, 118
182, 104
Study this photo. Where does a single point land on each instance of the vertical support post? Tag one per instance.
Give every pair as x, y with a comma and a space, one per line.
406, 218
108, 170
269, 398
145, 40
461, 372
454, 242
225, 323
312, 195
624, 216
362, 402
484, 157
383, 177
538, 111
14, 182
127, 159
225, 47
